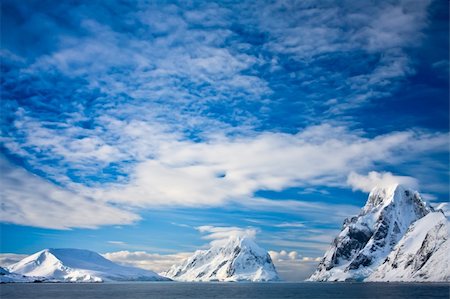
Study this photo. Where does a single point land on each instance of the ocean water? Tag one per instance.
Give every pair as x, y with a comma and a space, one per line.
157, 290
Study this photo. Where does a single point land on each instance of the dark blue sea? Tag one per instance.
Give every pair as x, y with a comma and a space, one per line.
157, 290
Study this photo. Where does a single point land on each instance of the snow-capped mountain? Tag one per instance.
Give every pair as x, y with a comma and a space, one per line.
367, 239
77, 265
239, 259
423, 254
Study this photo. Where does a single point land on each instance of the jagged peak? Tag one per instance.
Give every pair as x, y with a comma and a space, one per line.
365, 240
382, 196
243, 242
233, 259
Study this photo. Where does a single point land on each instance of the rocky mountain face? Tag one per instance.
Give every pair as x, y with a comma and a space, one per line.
423, 254
77, 265
239, 259
367, 240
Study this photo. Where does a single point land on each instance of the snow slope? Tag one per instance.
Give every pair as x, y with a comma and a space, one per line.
6, 277
239, 259
367, 239
423, 254
77, 265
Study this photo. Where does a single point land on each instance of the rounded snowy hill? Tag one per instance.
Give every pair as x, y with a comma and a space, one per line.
78, 265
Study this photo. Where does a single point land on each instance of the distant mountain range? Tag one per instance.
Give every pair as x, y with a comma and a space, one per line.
240, 259
395, 237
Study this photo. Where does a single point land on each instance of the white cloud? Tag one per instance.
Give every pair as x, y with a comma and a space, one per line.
379, 179
60, 142
290, 224
180, 55
7, 259
117, 242
31, 200
221, 170
233, 169
283, 255
220, 235
230, 169
150, 261
292, 266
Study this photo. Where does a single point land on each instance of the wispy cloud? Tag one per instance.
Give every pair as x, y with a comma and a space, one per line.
167, 171
150, 261
30, 200
231, 169
220, 235
7, 259
374, 37
377, 179
117, 242
290, 224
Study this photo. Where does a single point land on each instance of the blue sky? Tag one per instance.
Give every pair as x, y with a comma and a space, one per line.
128, 125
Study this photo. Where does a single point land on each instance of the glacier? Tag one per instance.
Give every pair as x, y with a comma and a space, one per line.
367, 243
77, 265
238, 259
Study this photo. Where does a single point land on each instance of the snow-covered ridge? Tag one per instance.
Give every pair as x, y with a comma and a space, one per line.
240, 259
78, 265
423, 254
366, 240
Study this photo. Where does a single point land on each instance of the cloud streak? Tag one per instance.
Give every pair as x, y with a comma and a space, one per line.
27, 199
150, 261
220, 235
377, 179
173, 173
234, 169
7, 259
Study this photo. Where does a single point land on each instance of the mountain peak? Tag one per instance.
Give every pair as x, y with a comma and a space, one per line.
380, 197
238, 241
237, 258
397, 197
366, 239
